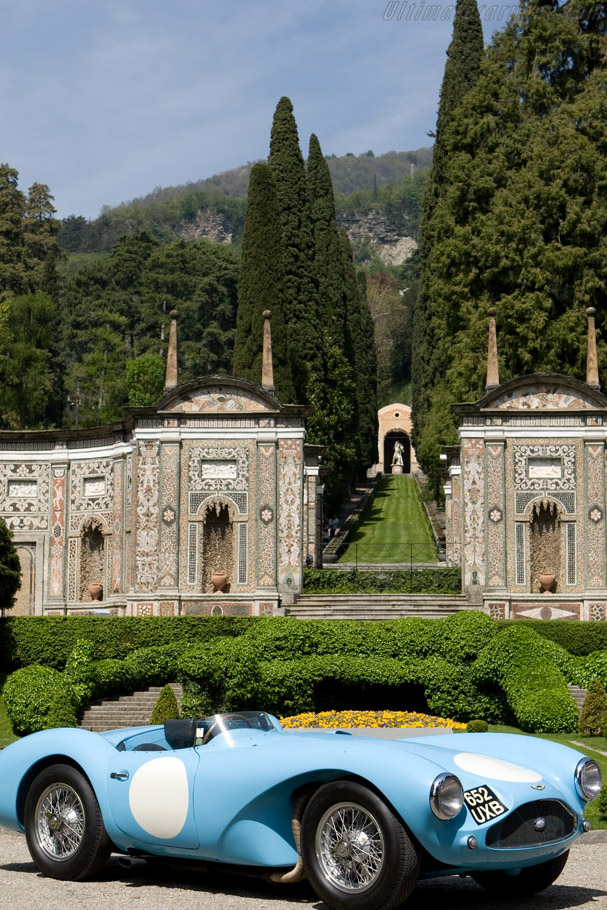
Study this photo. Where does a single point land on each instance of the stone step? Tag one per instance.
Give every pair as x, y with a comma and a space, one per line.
119, 711
376, 606
578, 695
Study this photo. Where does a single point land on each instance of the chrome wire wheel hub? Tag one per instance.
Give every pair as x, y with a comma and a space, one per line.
350, 847
59, 822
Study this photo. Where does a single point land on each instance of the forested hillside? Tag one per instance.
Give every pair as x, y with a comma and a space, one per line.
516, 211
389, 186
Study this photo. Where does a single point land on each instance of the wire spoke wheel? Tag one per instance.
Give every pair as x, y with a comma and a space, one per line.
355, 850
350, 847
60, 822
64, 827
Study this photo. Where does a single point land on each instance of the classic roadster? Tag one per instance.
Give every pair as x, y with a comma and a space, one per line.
362, 818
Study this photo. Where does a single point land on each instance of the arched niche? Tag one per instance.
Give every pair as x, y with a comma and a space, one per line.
92, 559
218, 543
390, 440
545, 545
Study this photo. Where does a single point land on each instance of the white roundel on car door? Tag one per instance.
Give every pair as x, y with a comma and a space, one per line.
158, 797
495, 768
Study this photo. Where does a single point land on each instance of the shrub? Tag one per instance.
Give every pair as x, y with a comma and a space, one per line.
62, 712
477, 726
29, 694
166, 707
527, 668
386, 581
78, 673
602, 801
593, 719
590, 668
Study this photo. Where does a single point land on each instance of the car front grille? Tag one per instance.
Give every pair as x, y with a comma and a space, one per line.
544, 821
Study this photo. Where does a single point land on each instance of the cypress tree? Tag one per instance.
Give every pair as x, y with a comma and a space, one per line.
260, 287
328, 261
520, 221
364, 359
301, 311
462, 71
13, 278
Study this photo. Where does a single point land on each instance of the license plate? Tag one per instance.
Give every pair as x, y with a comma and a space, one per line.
483, 804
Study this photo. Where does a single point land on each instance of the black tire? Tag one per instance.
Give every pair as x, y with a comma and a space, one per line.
63, 825
354, 849
527, 881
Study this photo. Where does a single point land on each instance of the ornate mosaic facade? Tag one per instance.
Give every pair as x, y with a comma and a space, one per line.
147, 519
526, 500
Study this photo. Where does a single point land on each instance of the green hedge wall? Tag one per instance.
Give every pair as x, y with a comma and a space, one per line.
392, 581
464, 666
49, 640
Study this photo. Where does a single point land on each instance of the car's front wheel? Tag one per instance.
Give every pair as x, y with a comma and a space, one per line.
63, 825
355, 851
526, 881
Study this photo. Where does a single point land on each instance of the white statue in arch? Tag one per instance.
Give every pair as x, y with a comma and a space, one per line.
397, 457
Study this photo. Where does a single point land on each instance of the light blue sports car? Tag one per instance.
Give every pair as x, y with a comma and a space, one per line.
362, 818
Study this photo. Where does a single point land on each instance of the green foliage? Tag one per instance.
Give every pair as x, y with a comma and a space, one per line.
519, 220
145, 380
166, 707
116, 309
62, 712
462, 666
602, 801
394, 581
578, 638
593, 719
529, 670
594, 667
10, 568
300, 297
50, 640
260, 288
78, 675
29, 695
477, 726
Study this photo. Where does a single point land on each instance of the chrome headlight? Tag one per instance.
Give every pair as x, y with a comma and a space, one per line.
588, 778
446, 796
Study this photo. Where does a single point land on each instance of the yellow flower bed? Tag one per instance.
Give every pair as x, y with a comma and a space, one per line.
375, 719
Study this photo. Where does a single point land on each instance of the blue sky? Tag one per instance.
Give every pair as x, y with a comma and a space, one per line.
104, 101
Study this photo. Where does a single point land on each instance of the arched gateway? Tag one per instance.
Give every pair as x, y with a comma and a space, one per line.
395, 426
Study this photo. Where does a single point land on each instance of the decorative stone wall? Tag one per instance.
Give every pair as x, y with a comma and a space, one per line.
217, 476
528, 496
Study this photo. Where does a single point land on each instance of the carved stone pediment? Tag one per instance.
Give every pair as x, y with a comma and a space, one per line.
218, 396
544, 392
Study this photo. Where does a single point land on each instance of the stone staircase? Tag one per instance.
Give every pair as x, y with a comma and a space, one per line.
125, 710
578, 695
376, 606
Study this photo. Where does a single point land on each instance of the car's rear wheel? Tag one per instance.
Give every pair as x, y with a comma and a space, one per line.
526, 881
63, 825
354, 849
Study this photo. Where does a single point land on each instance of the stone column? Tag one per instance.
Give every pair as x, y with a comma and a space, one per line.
496, 514
266, 562
594, 514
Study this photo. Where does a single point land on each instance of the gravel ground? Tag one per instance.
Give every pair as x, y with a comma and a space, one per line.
583, 885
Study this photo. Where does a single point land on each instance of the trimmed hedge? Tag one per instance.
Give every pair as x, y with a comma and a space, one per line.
29, 694
528, 669
464, 666
578, 638
49, 640
389, 581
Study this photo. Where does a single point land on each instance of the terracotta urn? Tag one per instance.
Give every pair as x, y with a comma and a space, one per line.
219, 580
96, 590
547, 581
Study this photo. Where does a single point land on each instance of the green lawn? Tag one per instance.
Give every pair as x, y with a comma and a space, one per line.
6, 734
593, 746
395, 528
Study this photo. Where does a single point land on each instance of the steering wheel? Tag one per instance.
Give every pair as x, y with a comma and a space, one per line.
211, 731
